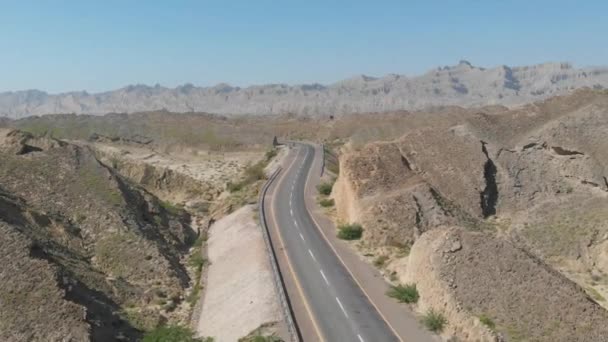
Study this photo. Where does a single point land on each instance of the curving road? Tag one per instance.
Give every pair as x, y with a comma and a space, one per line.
338, 308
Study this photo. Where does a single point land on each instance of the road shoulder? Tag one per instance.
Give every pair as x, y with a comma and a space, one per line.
402, 321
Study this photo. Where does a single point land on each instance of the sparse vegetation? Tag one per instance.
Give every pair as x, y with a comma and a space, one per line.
171, 208
331, 160
271, 154
404, 293
94, 182
194, 295
434, 321
173, 333
325, 188
255, 172
487, 321
404, 250
380, 261
139, 320
234, 187
261, 338
197, 261
327, 202
350, 231
595, 294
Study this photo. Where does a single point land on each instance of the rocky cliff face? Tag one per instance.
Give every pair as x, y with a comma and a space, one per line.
87, 254
526, 184
462, 84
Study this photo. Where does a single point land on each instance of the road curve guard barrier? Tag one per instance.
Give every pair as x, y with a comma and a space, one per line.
279, 283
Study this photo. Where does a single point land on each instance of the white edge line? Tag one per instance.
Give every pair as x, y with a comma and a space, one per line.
317, 226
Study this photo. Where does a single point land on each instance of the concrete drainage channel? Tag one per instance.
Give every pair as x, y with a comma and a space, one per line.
279, 283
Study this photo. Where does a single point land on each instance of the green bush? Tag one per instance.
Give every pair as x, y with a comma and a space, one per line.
327, 202
487, 321
434, 321
325, 188
171, 208
334, 168
262, 338
197, 261
234, 187
255, 172
173, 333
404, 293
380, 261
350, 231
271, 154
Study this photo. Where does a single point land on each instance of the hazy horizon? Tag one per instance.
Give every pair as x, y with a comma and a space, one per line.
280, 83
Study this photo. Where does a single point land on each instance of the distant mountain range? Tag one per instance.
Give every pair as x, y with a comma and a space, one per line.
462, 85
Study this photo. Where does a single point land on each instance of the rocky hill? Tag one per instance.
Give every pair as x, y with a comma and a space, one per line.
86, 254
505, 213
462, 84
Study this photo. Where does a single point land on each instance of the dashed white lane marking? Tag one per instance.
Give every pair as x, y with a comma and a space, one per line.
291, 211
312, 255
324, 277
302, 237
341, 307
360, 338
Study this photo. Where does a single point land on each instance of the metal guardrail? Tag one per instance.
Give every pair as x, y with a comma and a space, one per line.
322, 159
279, 282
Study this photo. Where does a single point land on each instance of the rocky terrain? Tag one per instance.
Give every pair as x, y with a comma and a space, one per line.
462, 85
87, 254
505, 214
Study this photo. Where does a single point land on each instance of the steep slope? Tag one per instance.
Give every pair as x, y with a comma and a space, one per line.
526, 185
468, 275
86, 254
462, 84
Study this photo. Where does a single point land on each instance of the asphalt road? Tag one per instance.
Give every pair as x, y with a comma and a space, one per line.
340, 310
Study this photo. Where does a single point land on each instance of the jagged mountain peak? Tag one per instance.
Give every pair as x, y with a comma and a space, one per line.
463, 84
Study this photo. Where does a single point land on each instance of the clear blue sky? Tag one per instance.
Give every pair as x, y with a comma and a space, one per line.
100, 45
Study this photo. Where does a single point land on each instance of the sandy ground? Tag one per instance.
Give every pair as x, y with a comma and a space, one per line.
202, 165
240, 295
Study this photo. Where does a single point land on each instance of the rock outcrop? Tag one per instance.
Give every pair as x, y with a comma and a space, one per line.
469, 275
86, 254
527, 184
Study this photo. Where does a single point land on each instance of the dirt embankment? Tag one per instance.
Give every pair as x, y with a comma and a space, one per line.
179, 177
102, 227
236, 289
471, 275
105, 254
240, 293
526, 185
